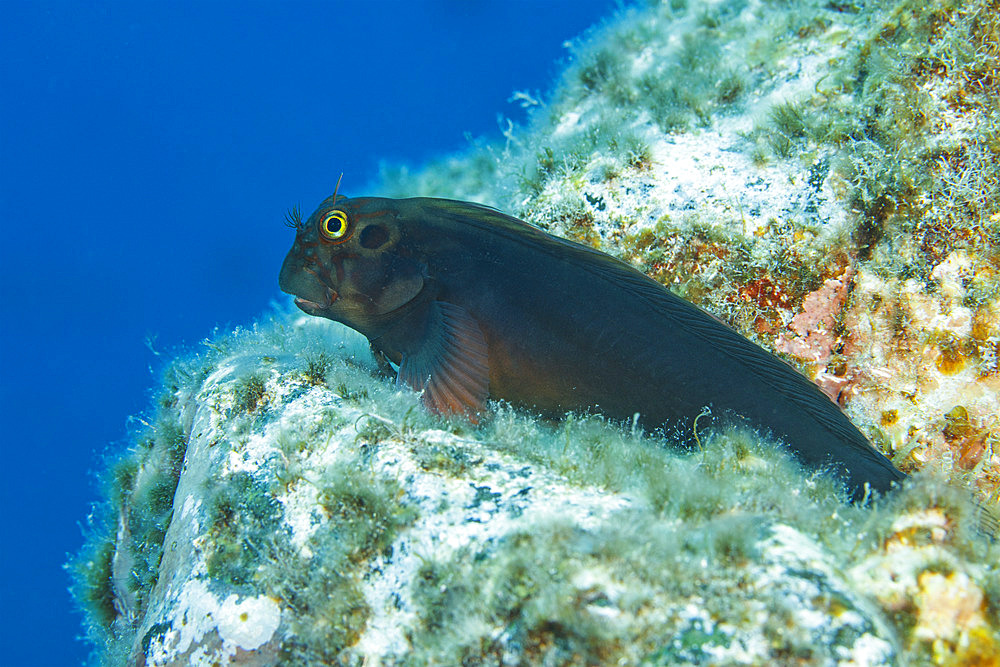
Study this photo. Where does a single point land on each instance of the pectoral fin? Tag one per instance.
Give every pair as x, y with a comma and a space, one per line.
451, 363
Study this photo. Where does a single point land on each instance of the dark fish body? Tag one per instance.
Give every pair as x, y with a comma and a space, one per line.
471, 303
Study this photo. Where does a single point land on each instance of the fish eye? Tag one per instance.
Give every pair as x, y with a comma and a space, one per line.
334, 226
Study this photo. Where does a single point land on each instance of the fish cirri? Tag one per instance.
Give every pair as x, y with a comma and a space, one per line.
470, 303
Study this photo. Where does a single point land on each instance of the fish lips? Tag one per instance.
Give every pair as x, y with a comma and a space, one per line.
317, 307
311, 293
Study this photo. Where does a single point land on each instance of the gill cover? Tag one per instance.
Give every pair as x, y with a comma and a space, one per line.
402, 281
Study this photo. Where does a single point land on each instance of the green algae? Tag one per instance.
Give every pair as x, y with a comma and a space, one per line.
243, 515
139, 485
365, 510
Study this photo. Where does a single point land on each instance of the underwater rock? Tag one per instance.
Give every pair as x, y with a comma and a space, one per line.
321, 516
820, 175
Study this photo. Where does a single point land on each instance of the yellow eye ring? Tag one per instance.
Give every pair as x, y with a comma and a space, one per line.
334, 226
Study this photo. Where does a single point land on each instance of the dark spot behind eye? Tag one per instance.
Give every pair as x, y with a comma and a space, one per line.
373, 236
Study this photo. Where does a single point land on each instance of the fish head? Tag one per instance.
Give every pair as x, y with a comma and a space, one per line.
351, 262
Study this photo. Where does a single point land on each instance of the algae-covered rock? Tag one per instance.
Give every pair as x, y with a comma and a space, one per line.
320, 516
822, 176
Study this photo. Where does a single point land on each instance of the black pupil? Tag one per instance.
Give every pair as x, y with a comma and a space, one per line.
334, 224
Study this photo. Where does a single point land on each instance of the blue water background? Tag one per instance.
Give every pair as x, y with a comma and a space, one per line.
148, 152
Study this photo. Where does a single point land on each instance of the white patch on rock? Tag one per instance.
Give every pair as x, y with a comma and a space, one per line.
248, 623
245, 624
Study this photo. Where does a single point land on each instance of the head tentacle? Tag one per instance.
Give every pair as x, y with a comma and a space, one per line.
293, 218
337, 187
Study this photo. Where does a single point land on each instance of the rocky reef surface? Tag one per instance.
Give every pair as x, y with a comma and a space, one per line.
824, 177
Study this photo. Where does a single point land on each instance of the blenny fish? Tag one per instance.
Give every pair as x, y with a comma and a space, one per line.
470, 304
